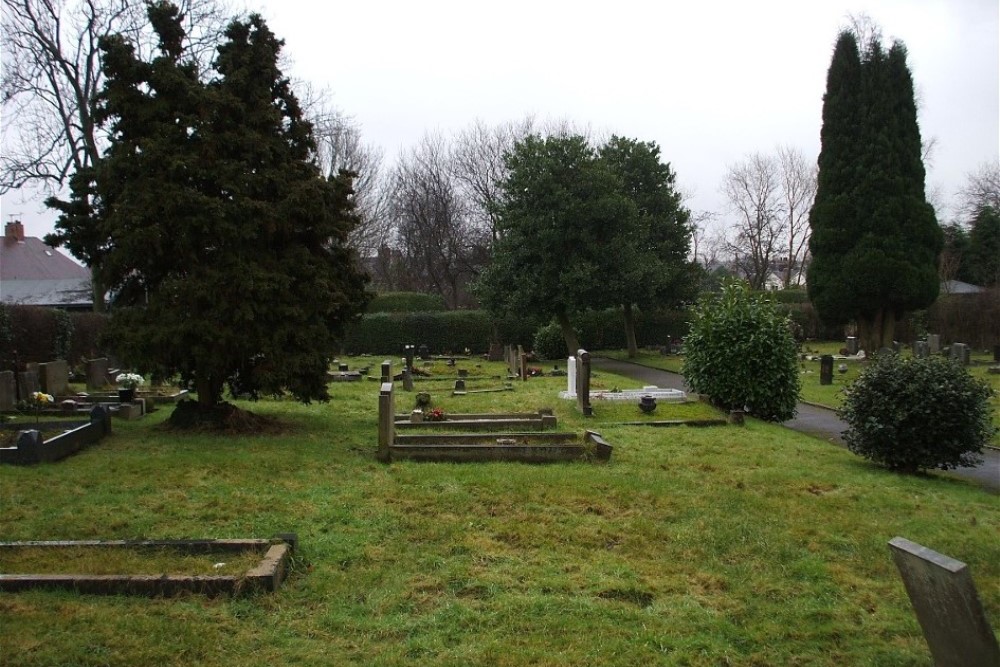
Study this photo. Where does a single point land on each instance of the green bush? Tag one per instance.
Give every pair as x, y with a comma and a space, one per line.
913, 414
549, 342
442, 332
406, 302
741, 353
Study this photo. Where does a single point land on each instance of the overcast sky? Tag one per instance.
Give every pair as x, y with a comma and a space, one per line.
709, 81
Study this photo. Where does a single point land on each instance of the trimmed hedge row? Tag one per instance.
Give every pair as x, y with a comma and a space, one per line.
40, 334
455, 331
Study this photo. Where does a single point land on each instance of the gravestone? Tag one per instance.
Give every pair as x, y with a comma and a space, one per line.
852, 345
407, 379
583, 383
409, 352
571, 377
934, 343
8, 391
522, 364
97, 374
460, 385
386, 372
826, 369
897, 347
921, 350
961, 353
495, 353
54, 377
343, 368
28, 384
425, 353
944, 598
463, 373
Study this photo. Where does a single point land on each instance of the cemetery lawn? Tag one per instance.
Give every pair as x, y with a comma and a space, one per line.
693, 546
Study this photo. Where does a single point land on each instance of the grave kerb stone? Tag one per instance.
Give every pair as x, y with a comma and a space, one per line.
947, 605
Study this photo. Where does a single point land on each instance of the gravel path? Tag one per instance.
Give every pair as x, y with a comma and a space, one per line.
816, 421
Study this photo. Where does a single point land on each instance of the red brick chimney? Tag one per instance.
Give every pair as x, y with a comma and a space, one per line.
13, 231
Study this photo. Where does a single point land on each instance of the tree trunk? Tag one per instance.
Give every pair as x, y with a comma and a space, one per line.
569, 334
209, 390
97, 288
629, 316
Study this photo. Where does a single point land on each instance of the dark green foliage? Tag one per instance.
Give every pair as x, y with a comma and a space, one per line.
741, 353
548, 342
405, 302
6, 334
442, 332
983, 259
875, 239
62, 344
915, 414
230, 262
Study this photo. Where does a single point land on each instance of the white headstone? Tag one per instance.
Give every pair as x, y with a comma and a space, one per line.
571, 376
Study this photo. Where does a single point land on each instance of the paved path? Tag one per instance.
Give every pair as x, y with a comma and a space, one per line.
816, 421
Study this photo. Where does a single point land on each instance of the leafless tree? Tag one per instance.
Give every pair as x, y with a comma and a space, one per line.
340, 147
982, 188
477, 162
436, 239
753, 188
52, 72
797, 192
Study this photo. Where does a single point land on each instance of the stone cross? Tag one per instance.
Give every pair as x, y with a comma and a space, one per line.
583, 383
944, 597
826, 369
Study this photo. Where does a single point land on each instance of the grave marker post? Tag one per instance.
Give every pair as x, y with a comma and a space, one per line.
583, 383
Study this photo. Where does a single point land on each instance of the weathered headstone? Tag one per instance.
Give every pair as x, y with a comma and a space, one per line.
386, 371
460, 385
8, 391
409, 351
343, 368
97, 374
961, 353
386, 422
27, 384
424, 352
934, 343
944, 598
826, 369
463, 372
495, 352
583, 383
921, 350
852, 345
571, 376
54, 377
522, 364
407, 379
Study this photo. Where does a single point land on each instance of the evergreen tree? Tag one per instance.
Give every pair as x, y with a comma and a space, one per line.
875, 241
226, 249
562, 245
661, 274
984, 248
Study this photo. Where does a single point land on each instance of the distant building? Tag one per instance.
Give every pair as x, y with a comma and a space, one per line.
33, 274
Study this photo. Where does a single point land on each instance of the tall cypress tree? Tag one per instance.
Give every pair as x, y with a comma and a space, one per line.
875, 240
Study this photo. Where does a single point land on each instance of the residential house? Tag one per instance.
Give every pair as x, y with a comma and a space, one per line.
34, 274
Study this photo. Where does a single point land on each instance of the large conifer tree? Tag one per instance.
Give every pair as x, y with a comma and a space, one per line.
226, 249
875, 239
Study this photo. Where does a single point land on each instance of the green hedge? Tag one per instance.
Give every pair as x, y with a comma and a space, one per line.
406, 302
442, 332
38, 335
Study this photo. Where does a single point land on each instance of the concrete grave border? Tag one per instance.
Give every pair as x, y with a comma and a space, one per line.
533, 447
265, 576
30, 448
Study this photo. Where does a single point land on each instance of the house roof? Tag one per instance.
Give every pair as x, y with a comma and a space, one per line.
32, 273
958, 287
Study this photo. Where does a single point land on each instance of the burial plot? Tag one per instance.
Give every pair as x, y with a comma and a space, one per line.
264, 574
30, 448
947, 605
533, 447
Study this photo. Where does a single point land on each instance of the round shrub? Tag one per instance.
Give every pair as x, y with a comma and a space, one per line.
549, 342
914, 414
740, 352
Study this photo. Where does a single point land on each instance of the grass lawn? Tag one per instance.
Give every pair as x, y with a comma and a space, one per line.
712, 546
